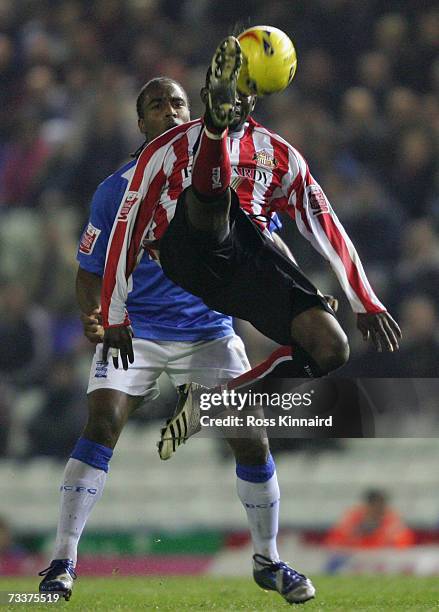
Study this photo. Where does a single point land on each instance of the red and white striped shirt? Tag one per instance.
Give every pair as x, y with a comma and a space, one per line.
269, 176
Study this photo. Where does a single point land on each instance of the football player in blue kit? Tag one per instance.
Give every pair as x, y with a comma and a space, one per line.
175, 333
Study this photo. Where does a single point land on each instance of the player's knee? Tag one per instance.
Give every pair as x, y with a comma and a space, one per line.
104, 428
220, 200
108, 411
333, 353
252, 452
102, 433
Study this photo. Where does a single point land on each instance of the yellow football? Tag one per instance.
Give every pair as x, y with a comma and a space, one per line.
269, 61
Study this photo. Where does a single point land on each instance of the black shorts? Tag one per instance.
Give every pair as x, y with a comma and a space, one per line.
244, 276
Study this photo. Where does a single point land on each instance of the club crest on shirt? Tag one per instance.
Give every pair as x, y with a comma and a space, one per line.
88, 239
317, 200
101, 369
264, 158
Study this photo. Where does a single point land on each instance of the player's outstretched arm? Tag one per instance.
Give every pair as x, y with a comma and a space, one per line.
88, 295
383, 330
318, 222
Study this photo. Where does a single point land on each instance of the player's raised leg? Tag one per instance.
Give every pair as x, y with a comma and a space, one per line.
208, 198
83, 482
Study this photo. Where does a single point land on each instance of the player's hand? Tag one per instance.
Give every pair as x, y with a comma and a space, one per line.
92, 326
118, 341
381, 328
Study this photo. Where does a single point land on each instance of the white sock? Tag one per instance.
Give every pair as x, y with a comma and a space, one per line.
261, 501
81, 488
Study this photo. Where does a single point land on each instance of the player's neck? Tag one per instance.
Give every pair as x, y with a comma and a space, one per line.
240, 132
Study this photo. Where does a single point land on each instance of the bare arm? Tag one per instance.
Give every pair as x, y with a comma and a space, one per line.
88, 290
318, 222
88, 295
282, 246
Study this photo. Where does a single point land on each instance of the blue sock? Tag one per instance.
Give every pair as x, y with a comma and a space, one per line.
92, 453
256, 473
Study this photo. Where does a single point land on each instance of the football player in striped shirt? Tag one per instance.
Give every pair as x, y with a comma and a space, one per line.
200, 200
180, 207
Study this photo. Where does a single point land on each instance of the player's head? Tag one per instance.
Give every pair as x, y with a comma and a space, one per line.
376, 501
244, 105
162, 103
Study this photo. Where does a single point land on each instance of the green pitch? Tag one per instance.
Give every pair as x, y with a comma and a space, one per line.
341, 594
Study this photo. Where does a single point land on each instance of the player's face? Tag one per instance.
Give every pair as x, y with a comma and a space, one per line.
244, 107
165, 106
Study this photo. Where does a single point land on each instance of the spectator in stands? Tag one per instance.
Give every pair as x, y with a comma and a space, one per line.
419, 357
373, 524
375, 72
7, 544
363, 131
55, 428
24, 161
418, 269
5, 418
5, 537
24, 337
414, 166
391, 34
10, 83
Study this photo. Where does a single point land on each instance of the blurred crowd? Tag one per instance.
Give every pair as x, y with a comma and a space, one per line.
363, 109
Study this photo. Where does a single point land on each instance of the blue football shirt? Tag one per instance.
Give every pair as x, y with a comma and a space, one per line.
157, 307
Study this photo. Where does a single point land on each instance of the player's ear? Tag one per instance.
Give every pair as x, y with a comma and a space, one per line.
203, 95
253, 103
141, 124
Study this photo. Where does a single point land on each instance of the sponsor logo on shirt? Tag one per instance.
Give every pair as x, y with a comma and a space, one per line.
317, 201
254, 174
130, 200
264, 158
88, 239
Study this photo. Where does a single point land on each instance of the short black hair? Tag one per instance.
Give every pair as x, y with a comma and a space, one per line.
155, 81
375, 495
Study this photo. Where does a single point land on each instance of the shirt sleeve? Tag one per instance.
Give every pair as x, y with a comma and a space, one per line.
319, 224
132, 221
94, 239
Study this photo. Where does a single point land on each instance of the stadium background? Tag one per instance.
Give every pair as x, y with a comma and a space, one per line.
364, 110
